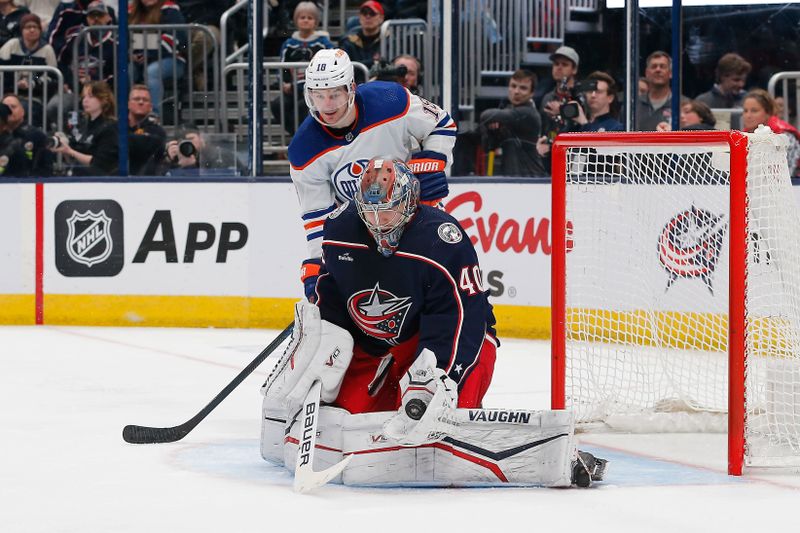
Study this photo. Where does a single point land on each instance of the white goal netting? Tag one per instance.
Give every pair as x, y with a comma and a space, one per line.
647, 278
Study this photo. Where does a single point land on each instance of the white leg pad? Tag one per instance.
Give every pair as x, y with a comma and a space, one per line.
483, 447
328, 449
273, 430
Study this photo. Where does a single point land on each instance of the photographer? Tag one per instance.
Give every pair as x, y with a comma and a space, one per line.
513, 127
412, 77
94, 146
597, 96
192, 153
12, 154
38, 159
590, 110
564, 71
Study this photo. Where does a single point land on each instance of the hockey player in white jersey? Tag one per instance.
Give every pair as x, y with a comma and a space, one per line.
349, 125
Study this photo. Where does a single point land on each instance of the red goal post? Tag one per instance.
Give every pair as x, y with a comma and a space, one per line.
645, 333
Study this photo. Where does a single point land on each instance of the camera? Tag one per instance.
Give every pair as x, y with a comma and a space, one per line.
186, 148
575, 97
385, 71
54, 141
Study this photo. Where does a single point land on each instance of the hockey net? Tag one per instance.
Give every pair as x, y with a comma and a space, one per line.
676, 288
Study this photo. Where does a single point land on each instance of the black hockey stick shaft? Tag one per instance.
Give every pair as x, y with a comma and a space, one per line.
149, 435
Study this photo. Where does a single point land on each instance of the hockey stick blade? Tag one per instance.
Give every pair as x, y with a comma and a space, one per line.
155, 435
305, 479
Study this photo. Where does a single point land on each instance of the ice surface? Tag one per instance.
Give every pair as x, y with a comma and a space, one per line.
66, 393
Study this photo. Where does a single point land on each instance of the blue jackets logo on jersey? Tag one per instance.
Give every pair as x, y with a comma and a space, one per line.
345, 179
379, 313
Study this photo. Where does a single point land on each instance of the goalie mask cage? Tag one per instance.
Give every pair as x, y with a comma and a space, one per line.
676, 288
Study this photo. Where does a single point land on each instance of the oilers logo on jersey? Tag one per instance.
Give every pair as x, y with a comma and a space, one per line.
379, 313
345, 178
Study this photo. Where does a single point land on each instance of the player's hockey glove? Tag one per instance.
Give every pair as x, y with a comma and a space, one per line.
309, 273
428, 398
428, 166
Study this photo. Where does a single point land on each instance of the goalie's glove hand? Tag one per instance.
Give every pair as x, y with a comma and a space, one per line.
428, 166
309, 274
428, 397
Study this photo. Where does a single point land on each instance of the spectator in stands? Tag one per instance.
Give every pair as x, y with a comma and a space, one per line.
759, 108
731, 74
513, 127
413, 71
44, 9
656, 105
301, 46
146, 139
95, 60
192, 152
12, 156
695, 115
38, 159
10, 18
364, 46
564, 71
67, 21
30, 49
208, 13
94, 146
164, 61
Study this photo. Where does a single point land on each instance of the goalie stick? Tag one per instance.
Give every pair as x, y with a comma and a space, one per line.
305, 479
150, 435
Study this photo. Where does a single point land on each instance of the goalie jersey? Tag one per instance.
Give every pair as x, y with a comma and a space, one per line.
429, 288
326, 164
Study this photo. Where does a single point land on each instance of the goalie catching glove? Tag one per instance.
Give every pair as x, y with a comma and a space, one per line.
428, 397
318, 351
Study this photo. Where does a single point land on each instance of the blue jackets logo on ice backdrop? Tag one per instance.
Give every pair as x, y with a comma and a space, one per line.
690, 244
379, 313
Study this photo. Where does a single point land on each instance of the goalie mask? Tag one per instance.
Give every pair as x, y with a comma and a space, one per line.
386, 200
330, 88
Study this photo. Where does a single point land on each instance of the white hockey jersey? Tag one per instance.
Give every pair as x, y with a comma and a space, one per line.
390, 121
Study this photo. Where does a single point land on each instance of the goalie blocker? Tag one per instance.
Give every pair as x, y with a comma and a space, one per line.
477, 447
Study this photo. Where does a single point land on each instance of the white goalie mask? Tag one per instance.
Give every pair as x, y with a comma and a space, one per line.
387, 198
329, 87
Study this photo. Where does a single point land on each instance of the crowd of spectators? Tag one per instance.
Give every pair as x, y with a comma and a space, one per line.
517, 133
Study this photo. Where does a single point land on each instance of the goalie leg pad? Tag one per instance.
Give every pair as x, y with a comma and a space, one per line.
491, 447
273, 430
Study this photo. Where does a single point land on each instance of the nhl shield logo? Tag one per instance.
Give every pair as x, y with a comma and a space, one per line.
89, 240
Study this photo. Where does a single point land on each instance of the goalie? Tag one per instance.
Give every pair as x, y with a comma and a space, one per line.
402, 341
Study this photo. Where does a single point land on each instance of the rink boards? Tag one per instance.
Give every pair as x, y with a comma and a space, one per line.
227, 254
